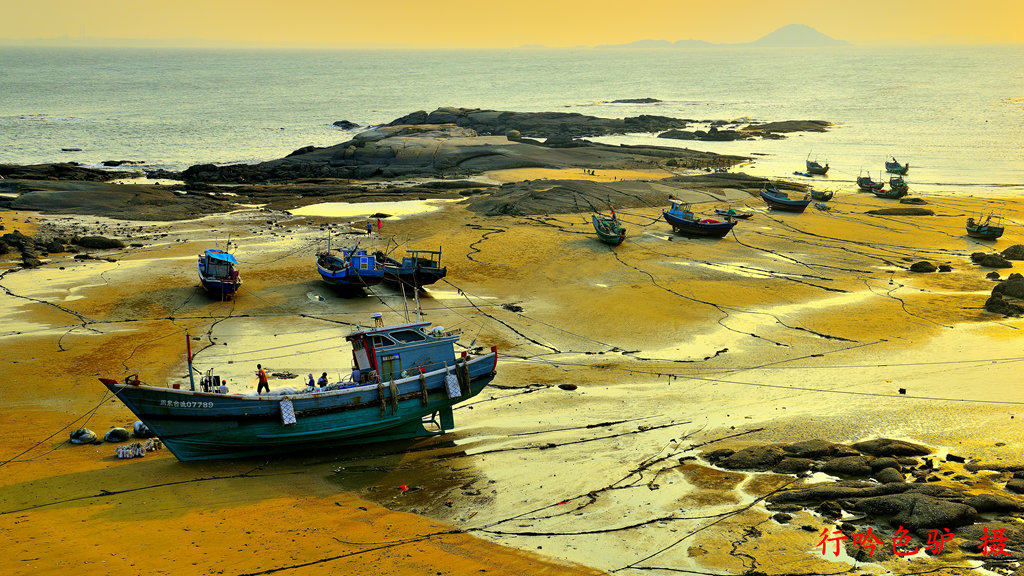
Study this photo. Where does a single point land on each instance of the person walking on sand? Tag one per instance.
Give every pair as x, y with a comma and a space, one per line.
264, 383
379, 225
369, 227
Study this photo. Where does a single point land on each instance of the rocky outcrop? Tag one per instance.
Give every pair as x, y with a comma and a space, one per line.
99, 242
541, 124
997, 305
923, 266
789, 126
61, 171
889, 447
901, 212
990, 260
1015, 252
1013, 286
918, 511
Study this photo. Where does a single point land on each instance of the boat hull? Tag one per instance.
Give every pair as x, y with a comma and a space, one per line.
709, 229
785, 204
608, 230
206, 426
897, 168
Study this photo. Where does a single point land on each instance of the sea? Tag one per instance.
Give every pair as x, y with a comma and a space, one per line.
956, 114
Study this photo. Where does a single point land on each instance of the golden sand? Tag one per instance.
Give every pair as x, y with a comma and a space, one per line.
821, 287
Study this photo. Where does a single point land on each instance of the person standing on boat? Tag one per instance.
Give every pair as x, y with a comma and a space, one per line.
264, 382
311, 384
322, 382
357, 375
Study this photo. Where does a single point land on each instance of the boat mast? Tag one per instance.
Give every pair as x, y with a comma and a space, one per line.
188, 349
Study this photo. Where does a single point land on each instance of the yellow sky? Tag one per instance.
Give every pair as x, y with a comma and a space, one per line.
513, 23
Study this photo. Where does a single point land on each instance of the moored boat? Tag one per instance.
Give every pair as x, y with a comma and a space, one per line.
418, 268
351, 268
406, 376
866, 184
779, 200
608, 229
217, 273
898, 188
815, 168
732, 213
684, 221
985, 228
895, 167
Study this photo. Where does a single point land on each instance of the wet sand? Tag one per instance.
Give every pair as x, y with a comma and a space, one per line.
794, 327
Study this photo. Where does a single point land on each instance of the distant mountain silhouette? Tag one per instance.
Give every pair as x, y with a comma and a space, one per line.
797, 35
793, 35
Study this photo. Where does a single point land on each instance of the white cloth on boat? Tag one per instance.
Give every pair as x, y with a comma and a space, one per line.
287, 412
451, 383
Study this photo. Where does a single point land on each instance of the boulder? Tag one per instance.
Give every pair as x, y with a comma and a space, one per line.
993, 275
810, 449
754, 458
886, 462
889, 447
345, 124
99, 242
847, 466
889, 476
1015, 252
513, 136
793, 466
919, 511
716, 455
990, 260
1013, 287
916, 201
923, 266
993, 503
996, 305
1015, 485
945, 268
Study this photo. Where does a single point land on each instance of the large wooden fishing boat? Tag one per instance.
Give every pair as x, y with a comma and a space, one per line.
684, 221
406, 380
217, 273
987, 228
350, 268
418, 268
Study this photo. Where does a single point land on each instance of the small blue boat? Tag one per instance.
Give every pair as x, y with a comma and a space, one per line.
217, 273
684, 221
779, 200
417, 269
352, 268
407, 379
985, 228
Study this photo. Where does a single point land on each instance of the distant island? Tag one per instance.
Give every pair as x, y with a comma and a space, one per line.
791, 36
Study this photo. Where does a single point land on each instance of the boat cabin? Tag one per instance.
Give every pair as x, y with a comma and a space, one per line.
393, 352
219, 265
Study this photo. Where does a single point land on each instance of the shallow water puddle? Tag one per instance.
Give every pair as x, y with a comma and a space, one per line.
350, 209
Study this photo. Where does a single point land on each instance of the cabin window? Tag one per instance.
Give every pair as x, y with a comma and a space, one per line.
364, 263
407, 336
379, 341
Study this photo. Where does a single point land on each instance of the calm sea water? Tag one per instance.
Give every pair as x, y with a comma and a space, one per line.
956, 114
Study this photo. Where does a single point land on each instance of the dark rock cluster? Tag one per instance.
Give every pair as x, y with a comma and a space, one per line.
1006, 295
886, 484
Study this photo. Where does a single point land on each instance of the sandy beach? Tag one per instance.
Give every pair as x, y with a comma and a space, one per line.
792, 328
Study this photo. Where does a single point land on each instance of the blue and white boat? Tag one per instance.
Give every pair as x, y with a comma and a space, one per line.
779, 200
217, 273
405, 382
351, 268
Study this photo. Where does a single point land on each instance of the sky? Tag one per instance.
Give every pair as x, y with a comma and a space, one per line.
510, 24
